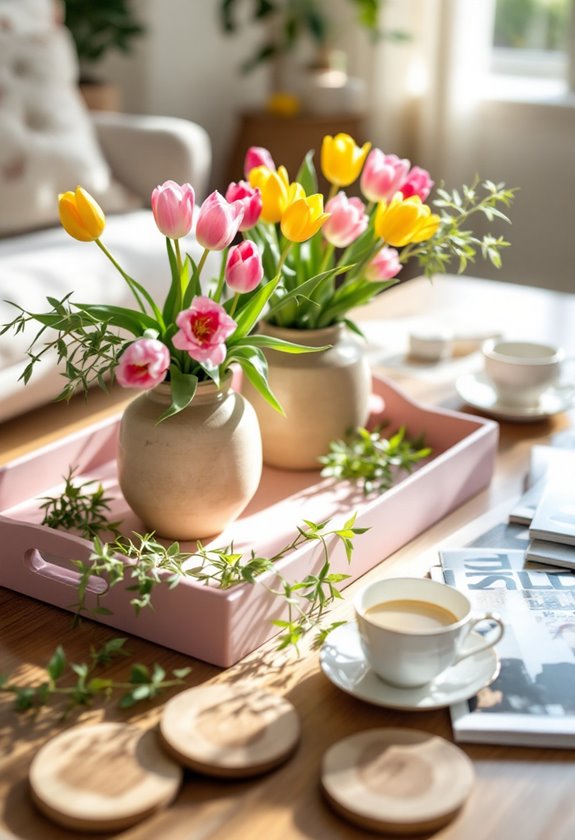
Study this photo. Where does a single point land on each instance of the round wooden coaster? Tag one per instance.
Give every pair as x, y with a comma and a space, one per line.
229, 730
102, 778
396, 780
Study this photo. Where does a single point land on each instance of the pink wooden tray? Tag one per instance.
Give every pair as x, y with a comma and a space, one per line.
218, 626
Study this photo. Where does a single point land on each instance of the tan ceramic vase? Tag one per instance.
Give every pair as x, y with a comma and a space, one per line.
195, 472
323, 394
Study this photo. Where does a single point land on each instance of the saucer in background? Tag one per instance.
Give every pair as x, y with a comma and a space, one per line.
478, 392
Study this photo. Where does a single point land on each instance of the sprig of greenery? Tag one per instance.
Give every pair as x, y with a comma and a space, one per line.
373, 460
77, 684
84, 342
452, 241
79, 509
143, 562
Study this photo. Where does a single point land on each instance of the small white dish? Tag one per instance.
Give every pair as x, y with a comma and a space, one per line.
479, 393
343, 662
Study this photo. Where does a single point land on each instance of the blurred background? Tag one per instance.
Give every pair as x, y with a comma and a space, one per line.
459, 87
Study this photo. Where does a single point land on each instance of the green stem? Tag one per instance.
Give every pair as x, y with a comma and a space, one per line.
202, 261
328, 253
332, 191
126, 277
222, 277
283, 257
178, 255
234, 304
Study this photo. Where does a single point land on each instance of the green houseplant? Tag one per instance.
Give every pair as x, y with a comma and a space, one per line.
290, 20
98, 29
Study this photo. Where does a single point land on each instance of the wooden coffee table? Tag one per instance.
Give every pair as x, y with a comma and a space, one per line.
519, 792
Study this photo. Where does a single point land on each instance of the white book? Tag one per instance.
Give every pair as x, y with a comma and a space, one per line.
524, 510
532, 700
554, 517
551, 553
546, 463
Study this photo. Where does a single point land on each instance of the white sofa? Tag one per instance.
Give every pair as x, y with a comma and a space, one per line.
142, 152
49, 143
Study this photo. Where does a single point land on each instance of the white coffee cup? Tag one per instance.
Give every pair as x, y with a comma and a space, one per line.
412, 629
521, 370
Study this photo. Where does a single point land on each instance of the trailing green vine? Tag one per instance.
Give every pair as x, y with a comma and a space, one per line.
77, 684
143, 562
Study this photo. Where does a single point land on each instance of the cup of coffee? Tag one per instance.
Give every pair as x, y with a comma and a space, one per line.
521, 370
412, 629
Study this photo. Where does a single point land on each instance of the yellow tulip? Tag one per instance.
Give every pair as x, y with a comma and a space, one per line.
303, 217
81, 216
428, 226
342, 159
405, 220
274, 187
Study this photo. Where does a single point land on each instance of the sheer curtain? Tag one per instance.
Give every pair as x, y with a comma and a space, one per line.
424, 95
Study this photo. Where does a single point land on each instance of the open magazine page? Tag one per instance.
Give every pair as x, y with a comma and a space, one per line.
532, 701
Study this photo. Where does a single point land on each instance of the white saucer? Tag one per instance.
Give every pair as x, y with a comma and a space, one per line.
478, 392
344, 664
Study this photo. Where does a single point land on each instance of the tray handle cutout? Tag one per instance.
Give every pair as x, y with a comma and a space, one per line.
51, 567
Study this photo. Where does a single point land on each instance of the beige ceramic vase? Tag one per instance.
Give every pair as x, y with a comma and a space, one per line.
323, 394
189, 476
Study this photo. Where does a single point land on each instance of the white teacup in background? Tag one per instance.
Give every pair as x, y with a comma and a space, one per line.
521, 370
412, 629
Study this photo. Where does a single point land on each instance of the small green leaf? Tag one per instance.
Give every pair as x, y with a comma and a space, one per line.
139, 674
306, 175
57, 664
183, 388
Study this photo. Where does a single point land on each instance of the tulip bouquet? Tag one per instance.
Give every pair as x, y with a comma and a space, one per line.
203, 325
340, 256
296, 263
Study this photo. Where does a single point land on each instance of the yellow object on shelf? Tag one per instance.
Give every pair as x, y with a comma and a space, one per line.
283, 104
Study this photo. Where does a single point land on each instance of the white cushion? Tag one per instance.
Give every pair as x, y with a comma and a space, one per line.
27, 15
49, 262
47, 142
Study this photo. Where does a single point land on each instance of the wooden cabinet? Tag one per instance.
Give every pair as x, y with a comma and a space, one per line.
288, 138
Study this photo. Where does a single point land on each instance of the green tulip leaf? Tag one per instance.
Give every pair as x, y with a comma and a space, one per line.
183, 388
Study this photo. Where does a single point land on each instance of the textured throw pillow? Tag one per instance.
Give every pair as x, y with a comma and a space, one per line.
47, 141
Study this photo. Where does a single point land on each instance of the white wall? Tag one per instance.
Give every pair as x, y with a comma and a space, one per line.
532, 146
186, 67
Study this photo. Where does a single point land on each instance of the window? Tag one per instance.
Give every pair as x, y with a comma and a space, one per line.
531, 38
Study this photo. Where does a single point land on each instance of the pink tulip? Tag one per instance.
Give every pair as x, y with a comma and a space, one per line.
348, 220
218, 222
173, 208
204, 328
384, 265
251, 200
418, 183
257, 156
382, 175
244, 269
143, 364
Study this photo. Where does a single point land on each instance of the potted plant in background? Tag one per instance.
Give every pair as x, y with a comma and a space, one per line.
290, 24
97, 29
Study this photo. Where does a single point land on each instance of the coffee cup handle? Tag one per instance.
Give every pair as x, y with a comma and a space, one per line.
495, 634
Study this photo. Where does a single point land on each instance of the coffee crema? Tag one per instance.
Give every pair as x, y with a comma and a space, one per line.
410, 615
